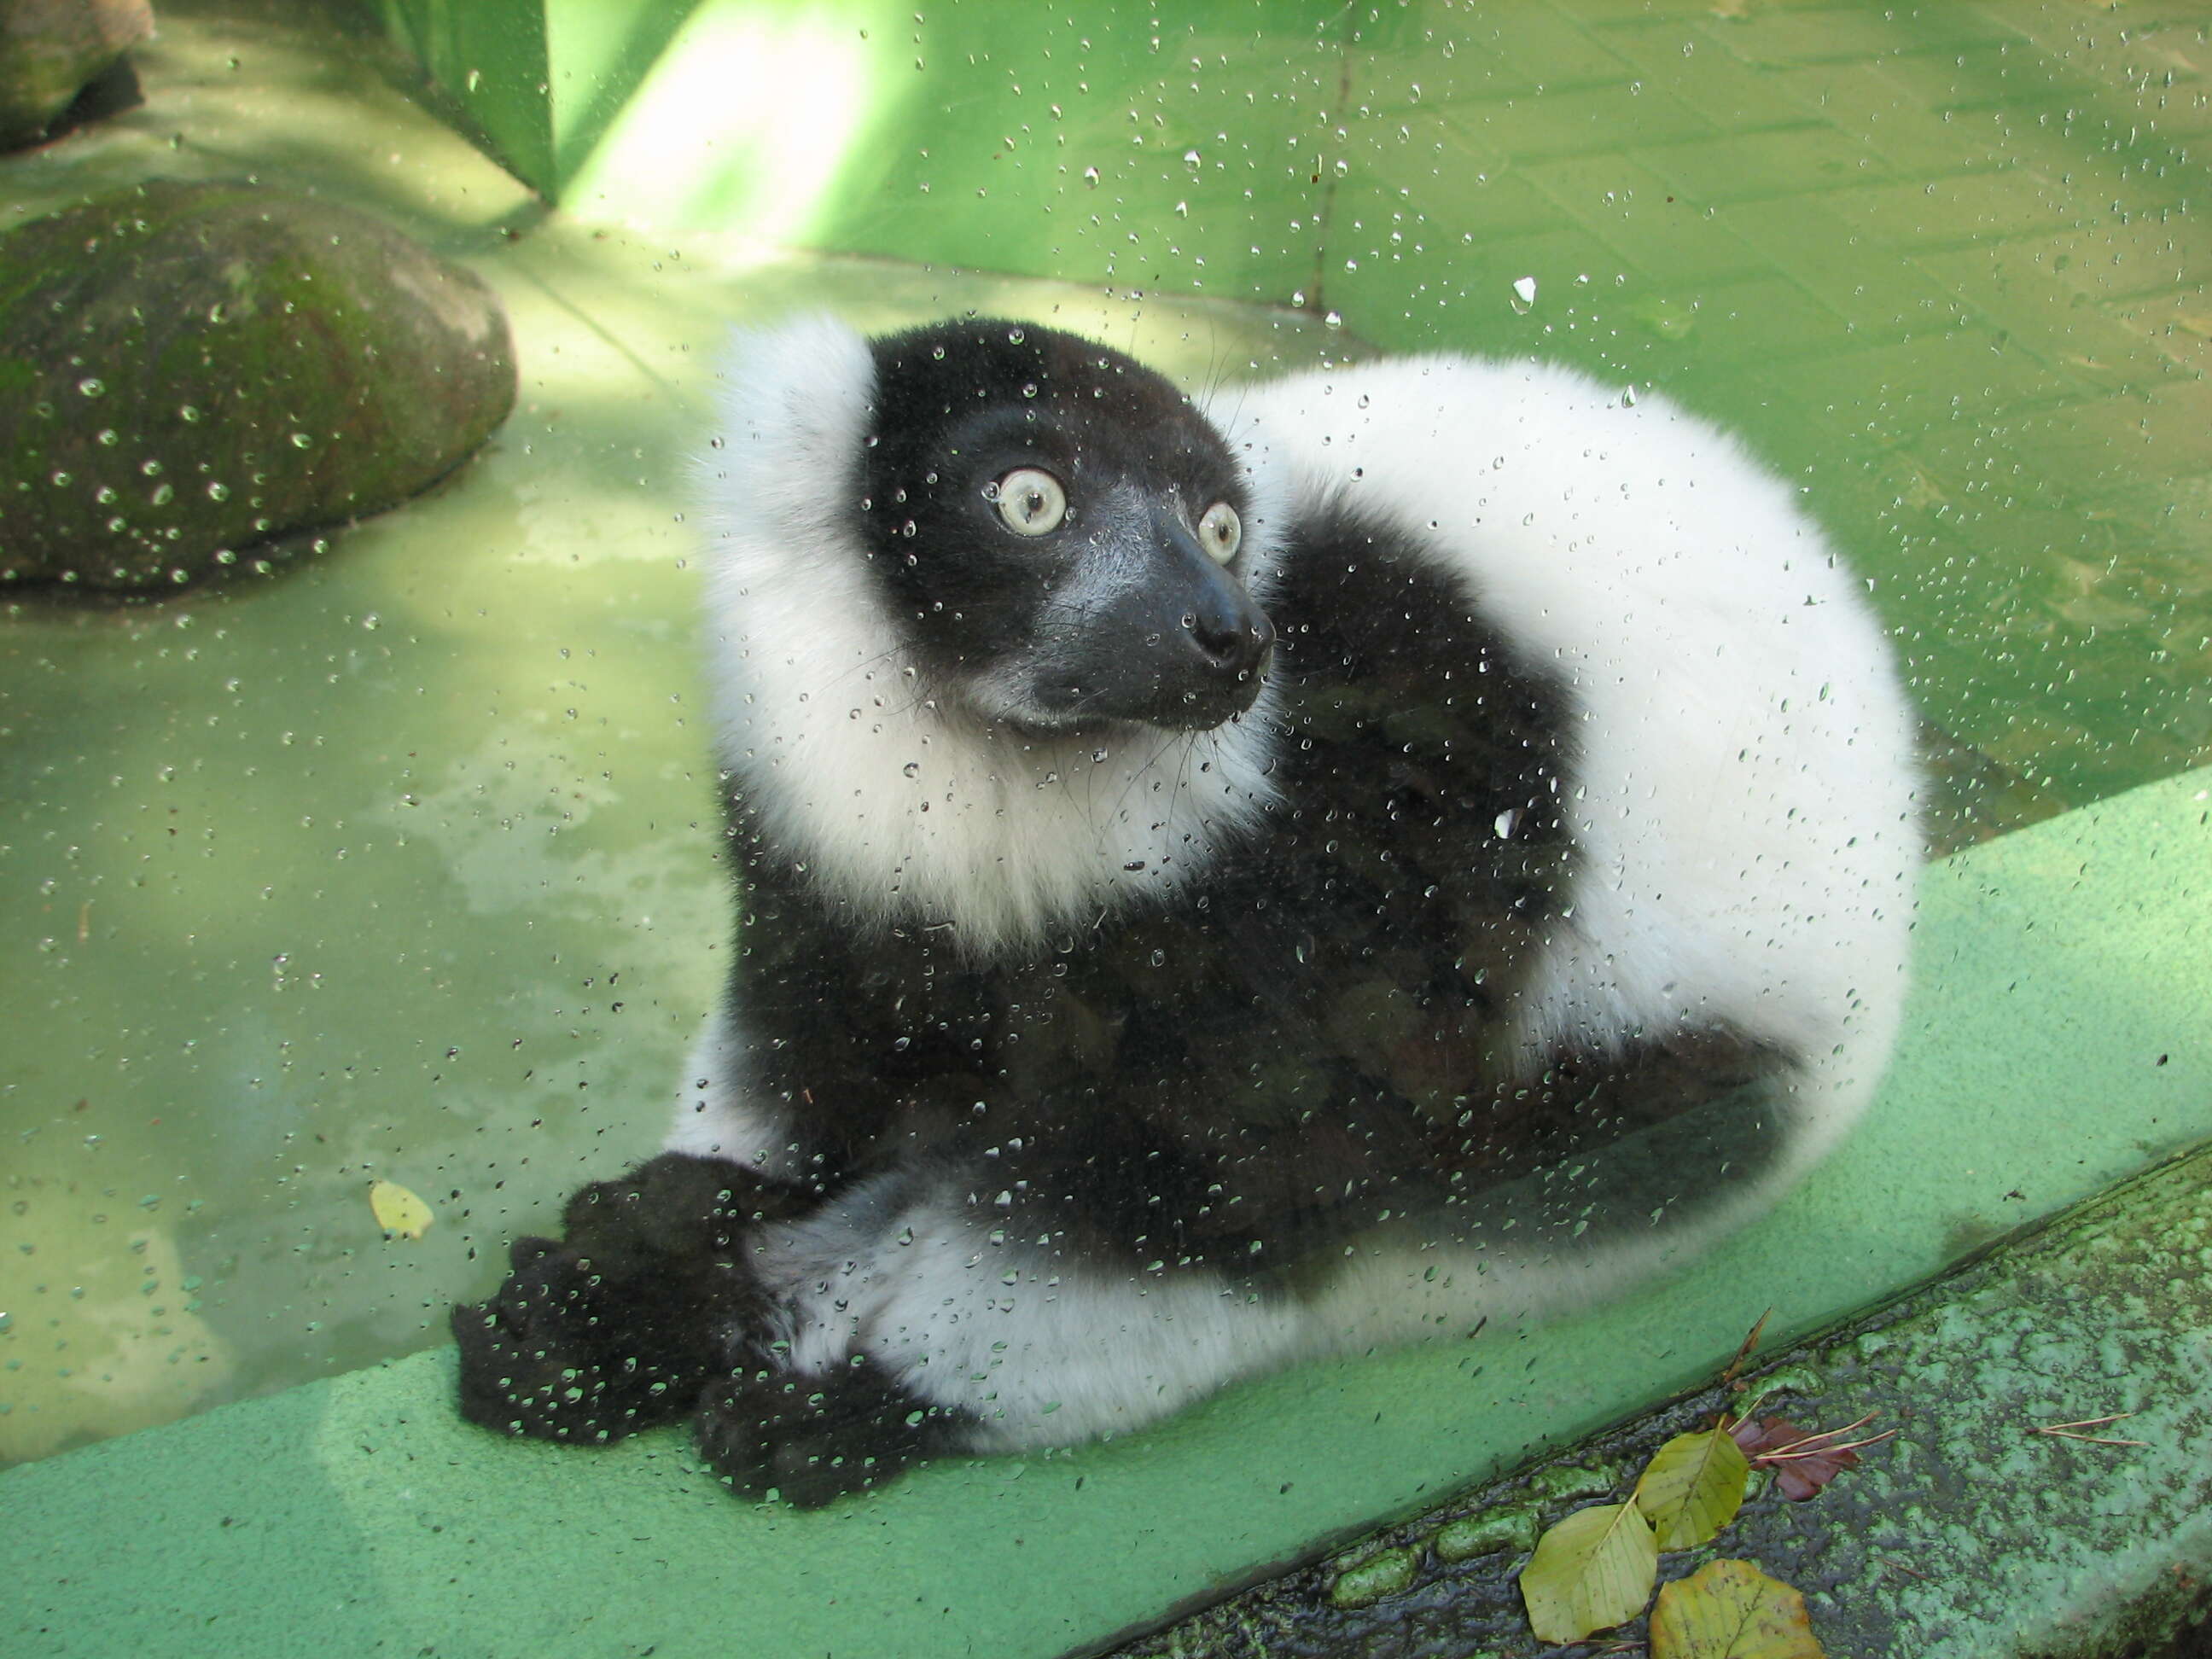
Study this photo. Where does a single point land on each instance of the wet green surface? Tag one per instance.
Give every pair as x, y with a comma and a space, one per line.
398, 862
2061, 1042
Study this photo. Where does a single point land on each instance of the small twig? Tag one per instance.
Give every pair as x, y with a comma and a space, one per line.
1743, 1353
2084, 1422
2061, 1430
1823, 1451
1901, 1567
1830, 1434
1731, 1421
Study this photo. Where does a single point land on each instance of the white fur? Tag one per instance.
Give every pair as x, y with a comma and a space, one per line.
915, 813
1744, 802
1042, 1348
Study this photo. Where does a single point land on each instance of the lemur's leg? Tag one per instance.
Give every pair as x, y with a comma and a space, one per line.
618, 1325
921, 1321
925, 1314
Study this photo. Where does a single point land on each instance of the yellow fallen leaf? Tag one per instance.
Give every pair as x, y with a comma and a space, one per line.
1591, 1572
1731, 1610
1692, 1488
399, 1211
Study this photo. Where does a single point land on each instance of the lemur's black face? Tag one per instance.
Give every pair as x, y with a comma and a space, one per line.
1061, 534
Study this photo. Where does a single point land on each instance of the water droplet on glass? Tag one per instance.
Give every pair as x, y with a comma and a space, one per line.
1029, 389
1628, 397
1090, 177
218, 492
59, 480
1015, 334
91, 388
188, 414
912, 768
301, 440
1506, 823
105, 437
1524, 293
1332, 320
163, 494
475, 79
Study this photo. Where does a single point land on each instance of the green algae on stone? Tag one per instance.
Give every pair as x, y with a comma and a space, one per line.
50, 49
1370, 1580
1509, 1526
196, 368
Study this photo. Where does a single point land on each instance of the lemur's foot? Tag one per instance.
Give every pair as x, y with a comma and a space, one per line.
813, 1439
616, 1327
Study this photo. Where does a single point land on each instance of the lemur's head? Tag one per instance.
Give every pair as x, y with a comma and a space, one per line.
1059, 537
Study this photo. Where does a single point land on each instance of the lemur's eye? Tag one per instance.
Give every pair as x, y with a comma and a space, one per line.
1032, 502
1219, 532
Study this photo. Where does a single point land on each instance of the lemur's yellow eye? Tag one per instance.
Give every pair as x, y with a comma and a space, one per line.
1219, 532
1030, 501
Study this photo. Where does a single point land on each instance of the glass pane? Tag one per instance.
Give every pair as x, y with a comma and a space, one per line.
366, 882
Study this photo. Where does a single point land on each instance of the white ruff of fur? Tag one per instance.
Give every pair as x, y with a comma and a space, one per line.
902, 811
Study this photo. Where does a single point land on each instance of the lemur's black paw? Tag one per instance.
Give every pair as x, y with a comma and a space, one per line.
809, 1440
557, 1354
617, 1327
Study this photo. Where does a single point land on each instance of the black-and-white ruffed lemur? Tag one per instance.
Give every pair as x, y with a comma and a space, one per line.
1401, 846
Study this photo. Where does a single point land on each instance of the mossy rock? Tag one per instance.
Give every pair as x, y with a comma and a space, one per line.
188, 369
50, 49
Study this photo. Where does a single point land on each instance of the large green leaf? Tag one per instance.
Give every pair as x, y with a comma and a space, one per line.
1594, 1569
1692, 1488
1731, 1610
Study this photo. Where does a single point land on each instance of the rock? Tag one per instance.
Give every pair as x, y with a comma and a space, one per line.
49, 49
188, 369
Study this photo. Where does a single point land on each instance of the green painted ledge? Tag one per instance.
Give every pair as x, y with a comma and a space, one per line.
2059, 1043
1970, 1534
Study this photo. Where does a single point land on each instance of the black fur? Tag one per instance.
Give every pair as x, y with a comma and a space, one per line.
809, 1440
